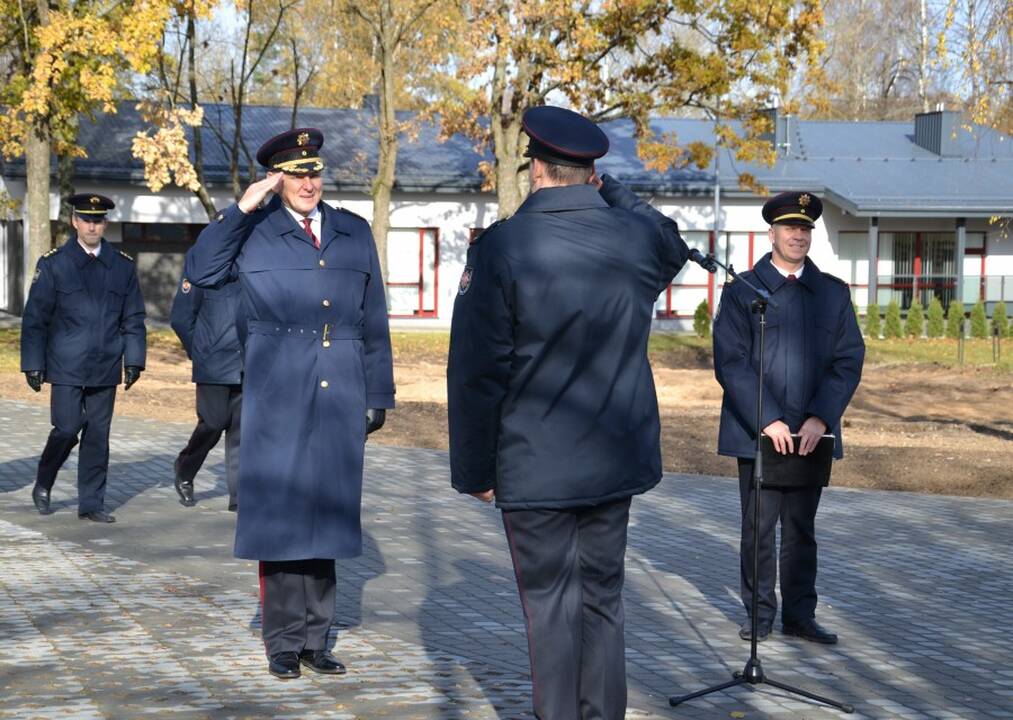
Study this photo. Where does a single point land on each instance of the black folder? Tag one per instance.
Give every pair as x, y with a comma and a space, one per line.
794, 470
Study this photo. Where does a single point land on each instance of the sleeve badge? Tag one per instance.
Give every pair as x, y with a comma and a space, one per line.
465, 283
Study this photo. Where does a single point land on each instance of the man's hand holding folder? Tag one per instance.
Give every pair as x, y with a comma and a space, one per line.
808, 436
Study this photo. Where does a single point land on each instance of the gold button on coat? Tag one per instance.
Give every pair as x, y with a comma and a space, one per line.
327, 303
323, 383
321, 262
327, 343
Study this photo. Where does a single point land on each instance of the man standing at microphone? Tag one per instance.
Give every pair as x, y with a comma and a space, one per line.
813, 362
552, 405
317, 378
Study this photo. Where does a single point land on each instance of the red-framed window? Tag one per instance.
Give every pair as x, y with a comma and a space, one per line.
413, 272
693, 284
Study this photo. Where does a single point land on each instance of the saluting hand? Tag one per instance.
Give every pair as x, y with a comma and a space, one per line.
259, 190
809, 435
780, 433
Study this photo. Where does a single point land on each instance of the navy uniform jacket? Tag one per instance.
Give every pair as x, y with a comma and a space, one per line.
317, 355
813, 355
84, 318
205, 322
550, 394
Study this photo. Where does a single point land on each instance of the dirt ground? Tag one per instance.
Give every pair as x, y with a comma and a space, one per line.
910, 427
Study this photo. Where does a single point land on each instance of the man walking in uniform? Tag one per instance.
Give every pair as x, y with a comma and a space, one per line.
552, 406
205, 322
813, 363
82, 332
318, 376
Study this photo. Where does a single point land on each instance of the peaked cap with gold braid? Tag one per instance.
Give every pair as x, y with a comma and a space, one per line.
90, 205
793, 208
296, 152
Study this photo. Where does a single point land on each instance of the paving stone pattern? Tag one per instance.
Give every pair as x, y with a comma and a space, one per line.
153, 617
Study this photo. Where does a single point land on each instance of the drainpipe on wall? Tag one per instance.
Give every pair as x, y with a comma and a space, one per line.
873, 261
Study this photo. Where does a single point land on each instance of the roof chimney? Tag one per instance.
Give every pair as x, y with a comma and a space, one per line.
937, 132
778, 136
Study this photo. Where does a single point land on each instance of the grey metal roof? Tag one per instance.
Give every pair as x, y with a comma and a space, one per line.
867, 168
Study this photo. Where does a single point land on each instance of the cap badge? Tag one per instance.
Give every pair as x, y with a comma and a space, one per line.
804, 200
302, 139
94, 200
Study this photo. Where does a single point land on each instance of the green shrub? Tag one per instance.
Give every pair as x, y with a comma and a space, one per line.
999, 321
702, 320
937, 321
979, 321
892, 327
872, 324
915, 320
955, 319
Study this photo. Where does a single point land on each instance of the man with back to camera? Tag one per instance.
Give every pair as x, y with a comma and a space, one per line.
813, 363
551, 401
205, 323
83, 321
318, 376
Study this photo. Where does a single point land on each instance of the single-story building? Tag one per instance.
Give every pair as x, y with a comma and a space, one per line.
909, 207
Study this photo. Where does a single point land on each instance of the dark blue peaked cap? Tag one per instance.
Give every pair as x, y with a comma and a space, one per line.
91, 205
563, 137
793, 208
295, 151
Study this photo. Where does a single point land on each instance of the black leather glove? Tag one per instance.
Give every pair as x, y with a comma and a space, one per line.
130, 375
375, 418
34, 378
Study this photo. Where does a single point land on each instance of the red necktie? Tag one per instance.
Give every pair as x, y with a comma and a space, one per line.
308, 225
791, 278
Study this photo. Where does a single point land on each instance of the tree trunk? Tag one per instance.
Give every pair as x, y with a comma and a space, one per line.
198, 141
383, 183
65, 183
508, 151
37, 201
923, 55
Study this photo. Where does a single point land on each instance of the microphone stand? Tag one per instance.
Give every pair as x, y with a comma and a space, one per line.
752, 673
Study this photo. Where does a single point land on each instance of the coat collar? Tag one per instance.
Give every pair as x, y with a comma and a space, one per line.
568, 197
331, 222
80, 255
773, 280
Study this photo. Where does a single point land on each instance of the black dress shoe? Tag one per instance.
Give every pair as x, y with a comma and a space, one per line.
762, 630
321, 661
185, 492
97, 516
284, 665
810, 630
40, 496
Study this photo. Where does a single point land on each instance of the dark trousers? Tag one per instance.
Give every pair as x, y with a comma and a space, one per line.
796, 509
297, 604
219, 408
569, 567
88, 411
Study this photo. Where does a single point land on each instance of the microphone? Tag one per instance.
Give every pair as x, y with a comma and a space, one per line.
704, 261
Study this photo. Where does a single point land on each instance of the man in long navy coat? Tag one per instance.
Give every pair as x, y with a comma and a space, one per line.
205, 322
318, 376
82, 332
552, 406
813, 358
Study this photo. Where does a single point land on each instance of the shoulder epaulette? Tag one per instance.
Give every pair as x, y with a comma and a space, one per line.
484, 231
349, 212
828, 276
124, 255
51, 252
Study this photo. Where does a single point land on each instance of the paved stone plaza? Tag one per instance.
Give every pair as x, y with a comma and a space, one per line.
153, 617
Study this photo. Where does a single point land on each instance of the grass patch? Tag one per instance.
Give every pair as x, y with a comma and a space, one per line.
941, 352
10, 349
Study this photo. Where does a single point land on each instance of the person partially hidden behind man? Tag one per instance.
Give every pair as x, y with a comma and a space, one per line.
812, 364
82, 332
205, 323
